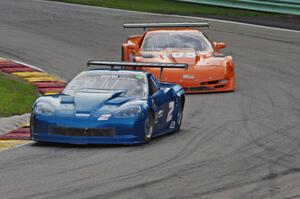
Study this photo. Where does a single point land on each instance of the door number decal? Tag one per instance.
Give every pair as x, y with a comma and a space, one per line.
170, 114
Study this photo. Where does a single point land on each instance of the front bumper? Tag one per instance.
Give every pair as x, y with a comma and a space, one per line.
128, 140
87, 131
209, 86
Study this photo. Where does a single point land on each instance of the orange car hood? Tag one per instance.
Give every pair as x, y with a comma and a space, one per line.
203, 66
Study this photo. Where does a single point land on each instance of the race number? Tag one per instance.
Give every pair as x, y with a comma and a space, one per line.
170, 114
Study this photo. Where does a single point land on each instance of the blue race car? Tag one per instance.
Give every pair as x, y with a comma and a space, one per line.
110, 106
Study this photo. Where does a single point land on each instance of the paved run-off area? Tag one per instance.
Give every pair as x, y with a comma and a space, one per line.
232, 145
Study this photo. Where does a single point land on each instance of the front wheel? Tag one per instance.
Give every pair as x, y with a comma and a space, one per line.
149, 126
179, 116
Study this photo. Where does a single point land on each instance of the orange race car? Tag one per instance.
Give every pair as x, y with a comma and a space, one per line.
208, 71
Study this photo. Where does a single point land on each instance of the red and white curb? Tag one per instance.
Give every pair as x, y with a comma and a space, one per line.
45, 83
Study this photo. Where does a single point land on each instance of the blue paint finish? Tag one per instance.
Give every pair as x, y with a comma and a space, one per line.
90, 110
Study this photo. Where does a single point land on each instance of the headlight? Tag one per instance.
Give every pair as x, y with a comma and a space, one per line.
128, 111
223, 81
44, 109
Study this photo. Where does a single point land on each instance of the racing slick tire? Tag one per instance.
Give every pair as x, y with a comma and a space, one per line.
149, 127
179, 115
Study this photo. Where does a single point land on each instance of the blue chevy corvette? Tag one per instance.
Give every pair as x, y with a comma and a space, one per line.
110, 106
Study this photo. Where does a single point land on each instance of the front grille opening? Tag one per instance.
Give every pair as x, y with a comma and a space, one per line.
93, 132
220, 86
213, 82
209, 82
201, 88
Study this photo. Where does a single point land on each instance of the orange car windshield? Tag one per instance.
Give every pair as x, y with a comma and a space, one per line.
156, 41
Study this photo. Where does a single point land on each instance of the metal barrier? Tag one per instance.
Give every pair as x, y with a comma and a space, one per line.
277, 6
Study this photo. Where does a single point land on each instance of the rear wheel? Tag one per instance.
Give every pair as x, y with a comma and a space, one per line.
149, 126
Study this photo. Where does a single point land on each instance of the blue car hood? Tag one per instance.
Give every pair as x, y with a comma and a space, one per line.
87, 102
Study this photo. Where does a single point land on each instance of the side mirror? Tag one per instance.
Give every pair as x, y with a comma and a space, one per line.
218, 46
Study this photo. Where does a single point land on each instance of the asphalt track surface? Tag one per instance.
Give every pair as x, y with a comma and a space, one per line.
243, 144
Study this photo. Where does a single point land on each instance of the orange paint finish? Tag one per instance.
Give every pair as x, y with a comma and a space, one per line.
208, 71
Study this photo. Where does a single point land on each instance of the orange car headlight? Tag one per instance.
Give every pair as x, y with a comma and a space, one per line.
223, 81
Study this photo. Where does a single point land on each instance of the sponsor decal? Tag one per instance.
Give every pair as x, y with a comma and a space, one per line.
188, 77
104, 117
172, 125
160, 114
183, 55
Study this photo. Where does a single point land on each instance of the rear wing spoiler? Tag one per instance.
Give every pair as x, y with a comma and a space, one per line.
135, 64
165, 25
111, 64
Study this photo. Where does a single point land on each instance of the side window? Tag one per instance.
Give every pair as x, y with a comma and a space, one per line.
153, 88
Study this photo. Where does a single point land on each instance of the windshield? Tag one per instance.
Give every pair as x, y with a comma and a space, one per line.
156, 41
131, 84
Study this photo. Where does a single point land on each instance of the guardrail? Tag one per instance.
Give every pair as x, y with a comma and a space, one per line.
277, 6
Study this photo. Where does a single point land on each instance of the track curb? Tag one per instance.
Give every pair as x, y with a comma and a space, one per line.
45, 83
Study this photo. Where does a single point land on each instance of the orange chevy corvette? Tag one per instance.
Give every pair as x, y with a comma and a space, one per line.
208, 69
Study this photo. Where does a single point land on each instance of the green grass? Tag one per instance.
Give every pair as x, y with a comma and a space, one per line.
168, 7
16, 96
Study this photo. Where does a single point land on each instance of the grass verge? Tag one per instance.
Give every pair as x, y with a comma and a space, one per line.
16, 96
168, 7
